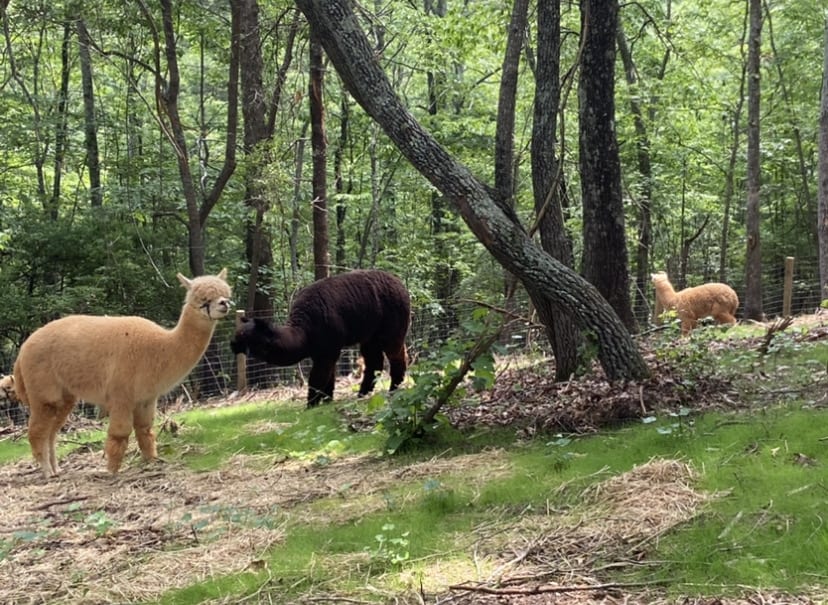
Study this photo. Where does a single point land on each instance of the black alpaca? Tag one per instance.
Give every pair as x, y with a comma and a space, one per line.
370, 308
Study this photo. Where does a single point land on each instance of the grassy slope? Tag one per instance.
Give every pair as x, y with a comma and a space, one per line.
767, 529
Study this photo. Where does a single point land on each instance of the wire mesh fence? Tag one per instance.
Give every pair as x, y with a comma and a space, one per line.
217, 374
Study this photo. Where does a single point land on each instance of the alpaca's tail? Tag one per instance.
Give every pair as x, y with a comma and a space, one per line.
19, 383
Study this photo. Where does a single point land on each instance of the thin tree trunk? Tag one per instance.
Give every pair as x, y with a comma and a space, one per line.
53, 204
321, 258
90, 122
823, 173
753, 261
339, 179
167, 98
645, 191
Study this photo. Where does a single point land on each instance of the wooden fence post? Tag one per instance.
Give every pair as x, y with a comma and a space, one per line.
787, 293
241, 360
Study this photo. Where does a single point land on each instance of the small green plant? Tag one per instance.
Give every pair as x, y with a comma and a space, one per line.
390, 550
438, 378
99, 521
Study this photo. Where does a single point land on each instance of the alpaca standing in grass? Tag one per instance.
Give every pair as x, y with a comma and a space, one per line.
692, 304
122, 364
367, 307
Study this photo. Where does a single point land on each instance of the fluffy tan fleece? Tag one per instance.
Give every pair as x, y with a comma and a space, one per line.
692, 304
122, 364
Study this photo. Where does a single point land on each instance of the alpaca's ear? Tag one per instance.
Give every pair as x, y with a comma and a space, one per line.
184, 281
223, 274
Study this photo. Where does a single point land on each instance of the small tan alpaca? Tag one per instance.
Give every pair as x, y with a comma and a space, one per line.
692, 304
7, 392
122, 364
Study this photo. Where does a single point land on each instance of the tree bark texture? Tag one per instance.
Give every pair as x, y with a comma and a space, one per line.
319, 152
547, 185
753, 260
258, 240
605, 259
489, 219
90, 121
823, 173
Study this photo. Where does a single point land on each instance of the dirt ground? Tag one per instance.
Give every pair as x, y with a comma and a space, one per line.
88, 537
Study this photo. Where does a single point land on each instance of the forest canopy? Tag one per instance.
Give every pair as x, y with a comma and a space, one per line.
143, 139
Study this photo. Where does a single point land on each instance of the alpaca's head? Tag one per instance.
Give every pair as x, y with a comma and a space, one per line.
7, 392
208, 295
661, 276
278, 345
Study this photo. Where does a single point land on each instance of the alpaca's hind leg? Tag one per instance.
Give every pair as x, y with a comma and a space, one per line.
321, 380
372, 355
142, 419
725, 318
397, 362
117, 439
61, 414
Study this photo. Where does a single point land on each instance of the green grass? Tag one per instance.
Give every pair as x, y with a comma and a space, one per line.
766, 531
767, 528
287, 430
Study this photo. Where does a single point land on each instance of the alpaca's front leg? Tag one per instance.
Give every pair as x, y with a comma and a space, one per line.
321, 381
142, 420
120, 426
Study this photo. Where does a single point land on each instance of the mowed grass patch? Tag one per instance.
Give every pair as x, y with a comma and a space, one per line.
209, 437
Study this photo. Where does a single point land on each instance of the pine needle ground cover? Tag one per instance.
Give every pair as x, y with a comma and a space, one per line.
263, 501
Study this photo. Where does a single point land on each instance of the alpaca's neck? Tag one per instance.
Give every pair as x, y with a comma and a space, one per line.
665, 294
190, 337
293, 345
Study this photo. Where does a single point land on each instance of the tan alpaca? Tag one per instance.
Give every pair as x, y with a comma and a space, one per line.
691, 304
7, 392
122, 364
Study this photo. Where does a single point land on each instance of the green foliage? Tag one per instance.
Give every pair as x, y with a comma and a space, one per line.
391, 548
439, 377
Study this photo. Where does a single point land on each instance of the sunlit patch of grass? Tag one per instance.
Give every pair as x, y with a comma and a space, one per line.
211, 436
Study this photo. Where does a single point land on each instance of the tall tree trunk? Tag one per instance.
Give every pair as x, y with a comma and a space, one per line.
446, 276
199, 205
53, 204
730, 175
93, 162
494, 224
340, 188
319, 151
753, 260
547, 186
504, 151
823, 173
645, 171
605, 259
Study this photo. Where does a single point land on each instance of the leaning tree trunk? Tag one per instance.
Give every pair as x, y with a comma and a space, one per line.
490, 219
